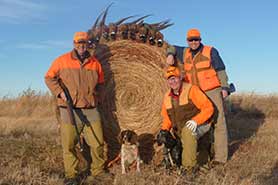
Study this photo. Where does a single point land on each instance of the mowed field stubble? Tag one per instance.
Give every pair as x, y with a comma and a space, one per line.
31, 152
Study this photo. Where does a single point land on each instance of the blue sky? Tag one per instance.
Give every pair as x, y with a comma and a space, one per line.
35, 32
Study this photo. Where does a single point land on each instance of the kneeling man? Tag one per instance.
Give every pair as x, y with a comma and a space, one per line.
186, 110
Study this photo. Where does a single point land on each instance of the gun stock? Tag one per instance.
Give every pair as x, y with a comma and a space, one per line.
70, 109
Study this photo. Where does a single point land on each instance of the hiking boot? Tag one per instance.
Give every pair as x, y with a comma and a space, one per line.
213, 164
100, 178
203, 170
82, 176
189, 173
70, 181
91, 180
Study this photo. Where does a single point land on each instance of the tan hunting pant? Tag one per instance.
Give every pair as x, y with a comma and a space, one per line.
220, 127
93, 136
190, 144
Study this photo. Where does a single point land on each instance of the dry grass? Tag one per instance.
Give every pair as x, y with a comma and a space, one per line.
28, 104
31, 153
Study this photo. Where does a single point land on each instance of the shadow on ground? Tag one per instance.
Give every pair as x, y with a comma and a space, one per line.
272, 178
242, 124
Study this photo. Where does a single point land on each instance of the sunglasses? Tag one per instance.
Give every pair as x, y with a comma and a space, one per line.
193, 39
82, 44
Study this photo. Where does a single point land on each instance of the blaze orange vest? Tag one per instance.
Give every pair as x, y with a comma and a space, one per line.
199, 71
181, 110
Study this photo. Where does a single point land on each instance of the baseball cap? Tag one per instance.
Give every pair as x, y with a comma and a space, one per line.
193, 33
80, 36
172, 71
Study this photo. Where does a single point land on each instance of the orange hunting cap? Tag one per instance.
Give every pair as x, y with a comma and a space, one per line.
193, 33
80, 36
172, 71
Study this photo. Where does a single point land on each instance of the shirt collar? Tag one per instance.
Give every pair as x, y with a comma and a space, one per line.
74, 55
194, 52
176, 96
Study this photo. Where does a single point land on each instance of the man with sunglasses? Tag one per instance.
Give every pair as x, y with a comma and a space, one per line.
204, 67
83, 77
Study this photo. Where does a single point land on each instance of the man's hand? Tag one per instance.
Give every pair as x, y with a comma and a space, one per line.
224, 93
63, 96
191, 125
170, 60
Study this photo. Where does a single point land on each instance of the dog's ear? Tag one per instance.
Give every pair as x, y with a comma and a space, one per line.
170, 140
121, 136
134, 137
161, 137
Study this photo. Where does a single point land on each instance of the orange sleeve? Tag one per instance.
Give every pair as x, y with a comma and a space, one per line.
53, 70
202, 102
100, 73
51, 79
166, 123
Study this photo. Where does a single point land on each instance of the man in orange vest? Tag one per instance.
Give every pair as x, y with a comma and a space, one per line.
204, 67
186, 110
83, 77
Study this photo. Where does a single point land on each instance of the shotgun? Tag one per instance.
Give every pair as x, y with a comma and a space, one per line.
70, 109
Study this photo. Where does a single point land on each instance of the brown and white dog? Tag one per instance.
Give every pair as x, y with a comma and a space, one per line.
129, 153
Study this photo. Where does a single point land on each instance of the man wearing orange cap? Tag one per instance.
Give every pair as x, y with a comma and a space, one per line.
82, 75
186, 110
204, 67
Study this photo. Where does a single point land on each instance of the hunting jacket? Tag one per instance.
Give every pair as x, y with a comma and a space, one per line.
80, 79
190, 104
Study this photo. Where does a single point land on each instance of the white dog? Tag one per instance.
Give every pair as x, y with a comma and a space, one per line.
129, 151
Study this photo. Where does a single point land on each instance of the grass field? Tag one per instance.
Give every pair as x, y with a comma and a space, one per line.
31, 153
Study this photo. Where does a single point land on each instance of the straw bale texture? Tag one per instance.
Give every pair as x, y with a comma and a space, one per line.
134, 85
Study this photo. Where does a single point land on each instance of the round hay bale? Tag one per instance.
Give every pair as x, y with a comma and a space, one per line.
134, 85
134, 90
134, 78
